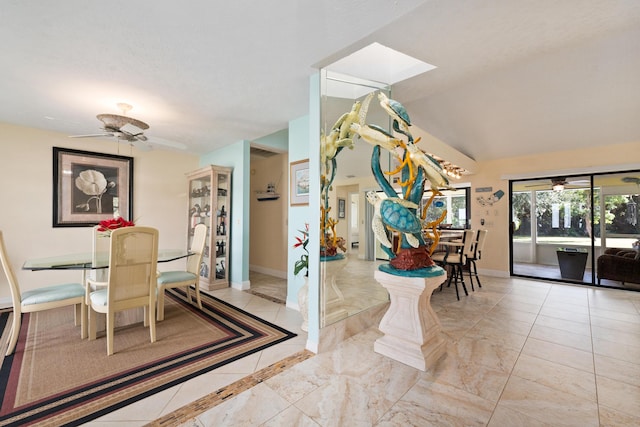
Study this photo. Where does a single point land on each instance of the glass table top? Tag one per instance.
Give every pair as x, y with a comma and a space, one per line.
83, 261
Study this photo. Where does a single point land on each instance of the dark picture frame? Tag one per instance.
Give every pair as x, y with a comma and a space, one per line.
299, 173
341, 208
90, 187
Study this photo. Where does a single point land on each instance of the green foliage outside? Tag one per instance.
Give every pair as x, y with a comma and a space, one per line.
616, 213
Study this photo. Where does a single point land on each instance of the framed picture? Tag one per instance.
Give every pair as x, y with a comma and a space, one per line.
90, 187
299, 194
341, 207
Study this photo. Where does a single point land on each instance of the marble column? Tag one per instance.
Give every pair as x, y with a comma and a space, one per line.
412, 331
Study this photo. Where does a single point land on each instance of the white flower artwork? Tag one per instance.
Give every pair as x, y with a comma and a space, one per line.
93, 183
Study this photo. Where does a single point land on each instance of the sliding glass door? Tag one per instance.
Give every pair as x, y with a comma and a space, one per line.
560, 226
551, 228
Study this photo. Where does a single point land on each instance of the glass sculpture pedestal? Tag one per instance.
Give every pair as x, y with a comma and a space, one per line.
412, 331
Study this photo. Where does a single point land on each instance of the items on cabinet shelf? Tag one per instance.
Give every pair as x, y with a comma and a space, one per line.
220, 270
220, 248
209, 196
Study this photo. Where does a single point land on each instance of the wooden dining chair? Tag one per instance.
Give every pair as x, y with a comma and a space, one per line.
131, 281
185, 278
40, 299
456, 256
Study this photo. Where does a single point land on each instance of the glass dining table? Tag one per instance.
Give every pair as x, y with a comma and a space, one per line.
85, 260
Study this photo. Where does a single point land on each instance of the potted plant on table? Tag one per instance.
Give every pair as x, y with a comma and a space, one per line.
302, 265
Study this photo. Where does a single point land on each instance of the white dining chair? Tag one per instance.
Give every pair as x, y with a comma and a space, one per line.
185, 278
456, 257
40, 299
131, 281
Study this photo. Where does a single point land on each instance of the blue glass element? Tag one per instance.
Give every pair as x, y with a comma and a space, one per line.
433, 271
438, 204
332, 258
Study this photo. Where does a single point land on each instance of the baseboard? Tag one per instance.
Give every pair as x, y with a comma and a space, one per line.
269, 271
312, 346
241, 286
293, 305
494, 273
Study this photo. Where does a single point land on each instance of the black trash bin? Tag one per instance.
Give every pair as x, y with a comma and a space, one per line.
572, 262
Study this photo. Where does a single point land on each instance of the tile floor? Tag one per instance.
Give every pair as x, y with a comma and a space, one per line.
520, 353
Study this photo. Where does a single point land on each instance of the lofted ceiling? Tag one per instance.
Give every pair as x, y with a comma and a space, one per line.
513, 78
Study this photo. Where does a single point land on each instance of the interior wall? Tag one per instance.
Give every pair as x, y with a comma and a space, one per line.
26, 174
268, 218
236, 156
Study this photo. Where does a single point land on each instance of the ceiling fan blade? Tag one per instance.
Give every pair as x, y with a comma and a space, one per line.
167, 143
140, 145
91, 135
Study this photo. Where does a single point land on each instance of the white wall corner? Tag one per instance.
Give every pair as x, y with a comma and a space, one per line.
293, 305
243, 286
312, 346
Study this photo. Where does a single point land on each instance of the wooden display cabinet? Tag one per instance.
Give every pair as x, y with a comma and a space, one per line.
210, 203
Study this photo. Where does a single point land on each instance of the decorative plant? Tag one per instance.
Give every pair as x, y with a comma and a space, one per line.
303, 262
108, 225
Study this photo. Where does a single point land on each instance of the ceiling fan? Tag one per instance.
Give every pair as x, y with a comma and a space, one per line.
560, 183
128, 129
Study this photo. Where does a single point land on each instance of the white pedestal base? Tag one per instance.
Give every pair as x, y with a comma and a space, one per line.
412, 331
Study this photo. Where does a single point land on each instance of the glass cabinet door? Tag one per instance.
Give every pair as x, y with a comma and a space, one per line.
222, 226
209, 203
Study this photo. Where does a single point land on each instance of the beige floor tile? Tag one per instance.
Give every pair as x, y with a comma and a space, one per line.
559, 313
612, 418
548, 405
617, 369
291, 416
499, 337
300, 380
485, 352
559, 336
615, 324
505, 417
519, 354
250, 408
524, 299
615, 315
554, 375
483, 381
434, 404
566, 325
513, 326
276, 353
567, 306
507, 314
621, 337
355, 400
629, 353
606, 301
198, 387
558, 353
618, 395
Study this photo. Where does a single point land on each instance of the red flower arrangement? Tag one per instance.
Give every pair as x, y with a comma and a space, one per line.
108, 225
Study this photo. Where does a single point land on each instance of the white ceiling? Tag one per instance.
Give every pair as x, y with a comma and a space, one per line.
514, 77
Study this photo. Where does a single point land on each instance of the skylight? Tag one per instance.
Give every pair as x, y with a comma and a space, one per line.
381, 64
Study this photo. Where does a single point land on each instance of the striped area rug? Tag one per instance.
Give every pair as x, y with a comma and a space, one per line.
55, 378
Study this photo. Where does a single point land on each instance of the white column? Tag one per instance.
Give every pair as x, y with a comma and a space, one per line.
412, 331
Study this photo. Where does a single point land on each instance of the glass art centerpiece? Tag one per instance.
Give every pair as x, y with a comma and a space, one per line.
397, 215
